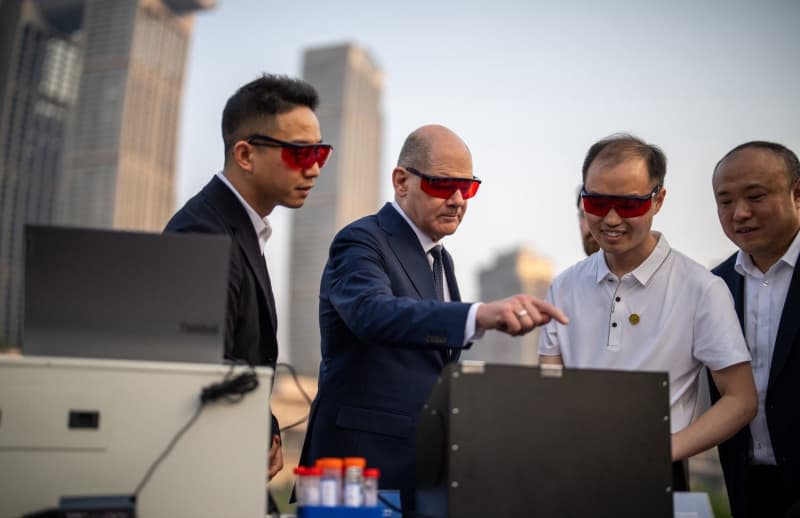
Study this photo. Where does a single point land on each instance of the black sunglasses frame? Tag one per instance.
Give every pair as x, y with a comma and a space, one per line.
273, 142
653, 193
437, 179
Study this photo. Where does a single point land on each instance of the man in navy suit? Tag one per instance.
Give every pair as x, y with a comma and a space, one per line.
757, 190
273, 154
390, 313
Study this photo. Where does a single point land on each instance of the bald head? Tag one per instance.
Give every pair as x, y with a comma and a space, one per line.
432, 144
432, 151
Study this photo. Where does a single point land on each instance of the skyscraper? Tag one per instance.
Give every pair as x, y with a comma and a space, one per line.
517, 271
350, 84
89, 99
119, 166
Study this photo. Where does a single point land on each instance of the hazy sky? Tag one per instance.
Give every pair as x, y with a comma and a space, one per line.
529, 85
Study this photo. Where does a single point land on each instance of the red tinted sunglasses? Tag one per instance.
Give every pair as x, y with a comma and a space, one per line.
296, 156
445, 186
625, 206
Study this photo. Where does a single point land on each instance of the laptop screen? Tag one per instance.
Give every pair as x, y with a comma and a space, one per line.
129, 295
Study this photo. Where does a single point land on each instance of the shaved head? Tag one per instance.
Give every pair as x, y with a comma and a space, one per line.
427, 144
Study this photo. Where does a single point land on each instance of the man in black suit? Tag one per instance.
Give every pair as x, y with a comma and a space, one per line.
273, 154
757, 190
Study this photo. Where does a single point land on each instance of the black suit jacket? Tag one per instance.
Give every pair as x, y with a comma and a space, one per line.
385, 339
250, 322
782, 401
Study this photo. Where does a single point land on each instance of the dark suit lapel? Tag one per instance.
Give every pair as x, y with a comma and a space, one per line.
409, 252
788, 328
264, 281
737, 290
244, 236
735, 282
414, 260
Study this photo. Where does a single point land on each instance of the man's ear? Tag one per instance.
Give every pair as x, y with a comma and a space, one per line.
242, 154
659, 200
400, 179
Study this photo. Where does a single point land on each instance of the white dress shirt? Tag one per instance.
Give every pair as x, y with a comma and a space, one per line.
261, 225
427, 243
764, 298
669, 314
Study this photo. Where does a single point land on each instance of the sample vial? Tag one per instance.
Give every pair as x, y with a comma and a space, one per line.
310, 488
330, 483
371, 476
354, 481
299, 473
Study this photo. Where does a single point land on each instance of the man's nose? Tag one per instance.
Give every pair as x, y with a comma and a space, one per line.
311, 172
456, 198
612, 218
741, 210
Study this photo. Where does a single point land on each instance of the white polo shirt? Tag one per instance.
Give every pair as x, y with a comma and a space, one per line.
670, 314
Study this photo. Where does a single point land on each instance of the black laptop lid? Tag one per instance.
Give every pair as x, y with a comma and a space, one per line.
130, 295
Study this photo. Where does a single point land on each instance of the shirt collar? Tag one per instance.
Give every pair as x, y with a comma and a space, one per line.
426, 242
745, 265
260, 225
644, 271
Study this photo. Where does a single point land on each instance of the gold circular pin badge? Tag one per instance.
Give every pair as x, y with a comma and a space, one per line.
634, 318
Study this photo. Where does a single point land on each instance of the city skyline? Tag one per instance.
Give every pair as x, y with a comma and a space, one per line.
89, 107
39, 70
529, 86
119, 167
349, 86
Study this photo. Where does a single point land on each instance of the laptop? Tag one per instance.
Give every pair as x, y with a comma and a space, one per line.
96, 293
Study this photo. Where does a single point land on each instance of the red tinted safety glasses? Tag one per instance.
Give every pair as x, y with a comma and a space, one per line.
625, 206
445, 186
296, 156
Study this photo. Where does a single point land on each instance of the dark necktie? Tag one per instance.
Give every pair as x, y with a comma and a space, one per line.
438, 271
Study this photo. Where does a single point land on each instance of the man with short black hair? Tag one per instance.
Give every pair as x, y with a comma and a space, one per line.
273, 155
642, 305
757, 190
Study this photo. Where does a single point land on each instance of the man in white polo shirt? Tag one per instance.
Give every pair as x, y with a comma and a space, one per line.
641, 305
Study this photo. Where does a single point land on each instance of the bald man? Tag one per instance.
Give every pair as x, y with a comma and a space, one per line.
391, 315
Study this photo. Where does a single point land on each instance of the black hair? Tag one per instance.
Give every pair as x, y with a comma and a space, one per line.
619, 147
788, 156
269, 95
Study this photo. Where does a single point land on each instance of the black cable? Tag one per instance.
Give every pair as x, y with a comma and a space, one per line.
233, 389
302, 391
166, 451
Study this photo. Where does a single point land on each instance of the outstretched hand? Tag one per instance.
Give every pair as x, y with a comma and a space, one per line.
517, 315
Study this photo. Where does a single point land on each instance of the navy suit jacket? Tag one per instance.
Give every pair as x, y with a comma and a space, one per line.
782, 401
250, 320
385, 339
